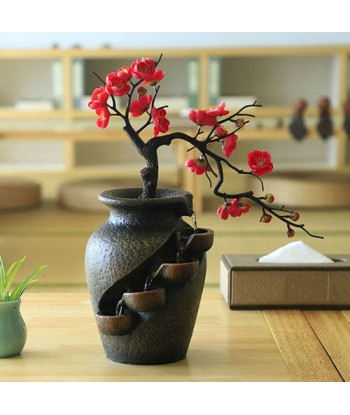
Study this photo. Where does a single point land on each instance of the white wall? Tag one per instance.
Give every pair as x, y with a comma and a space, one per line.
168, 39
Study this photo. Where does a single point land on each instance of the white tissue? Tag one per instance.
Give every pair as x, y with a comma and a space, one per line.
295, 253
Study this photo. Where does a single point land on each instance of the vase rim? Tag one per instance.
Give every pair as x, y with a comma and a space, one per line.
9, 303
131, 197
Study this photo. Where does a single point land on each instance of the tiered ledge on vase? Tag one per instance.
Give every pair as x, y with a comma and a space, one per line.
177, 272
116, 325
147, 300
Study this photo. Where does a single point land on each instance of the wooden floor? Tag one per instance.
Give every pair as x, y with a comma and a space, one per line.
227, 345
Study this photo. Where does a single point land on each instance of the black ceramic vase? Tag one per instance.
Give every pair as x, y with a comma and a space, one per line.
144, 311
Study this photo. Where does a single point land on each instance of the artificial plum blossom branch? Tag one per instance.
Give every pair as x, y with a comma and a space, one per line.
145, 73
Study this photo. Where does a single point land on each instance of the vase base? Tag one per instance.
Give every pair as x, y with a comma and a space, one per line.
9, 355
139, 361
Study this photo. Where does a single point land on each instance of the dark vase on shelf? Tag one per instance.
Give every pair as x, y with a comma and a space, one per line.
325, 123
143, 318
297, 126
346, 122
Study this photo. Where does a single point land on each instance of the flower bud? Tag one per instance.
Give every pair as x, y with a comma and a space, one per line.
221, 131
290, 233
141, 91
265, 218
295, 216
270, 198
240, 122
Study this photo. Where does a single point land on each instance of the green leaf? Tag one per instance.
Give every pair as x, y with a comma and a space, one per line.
17, 292
11, 274
3, 281
7, 279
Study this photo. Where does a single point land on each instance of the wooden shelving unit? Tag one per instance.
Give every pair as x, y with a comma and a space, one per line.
46, 127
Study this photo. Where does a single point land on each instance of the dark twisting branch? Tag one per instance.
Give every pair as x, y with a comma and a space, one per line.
215, 125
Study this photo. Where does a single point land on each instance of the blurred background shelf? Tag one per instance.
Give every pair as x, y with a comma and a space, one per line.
46, 127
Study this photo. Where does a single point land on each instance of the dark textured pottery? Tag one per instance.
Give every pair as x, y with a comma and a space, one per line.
122, 257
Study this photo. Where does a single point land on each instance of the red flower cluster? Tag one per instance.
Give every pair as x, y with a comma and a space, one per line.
119, 83
197, 165
145, 69
260, 162
133, 81
208, 117
98, 98
141, 105
161, 123
234, 208
230, 144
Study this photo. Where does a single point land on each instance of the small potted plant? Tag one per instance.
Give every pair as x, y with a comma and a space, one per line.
13, 332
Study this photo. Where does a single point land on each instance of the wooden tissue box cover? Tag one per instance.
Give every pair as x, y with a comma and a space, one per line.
248, 284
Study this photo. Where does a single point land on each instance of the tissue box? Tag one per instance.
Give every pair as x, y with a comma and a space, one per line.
246, 283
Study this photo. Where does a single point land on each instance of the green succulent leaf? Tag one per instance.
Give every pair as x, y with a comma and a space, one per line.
7, 279
11, 274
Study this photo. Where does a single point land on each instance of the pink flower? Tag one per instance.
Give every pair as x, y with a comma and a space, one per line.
221, 131
116, 84
260, 162
103, 117
157, 76
124, 73
208, 116
98, 98
218, 111
141, 105
145, 69
201, 117
197, 165
161, 123
238, 207
223, 211
234, 208
230, 144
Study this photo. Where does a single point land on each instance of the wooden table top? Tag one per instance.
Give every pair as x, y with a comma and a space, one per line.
227, 345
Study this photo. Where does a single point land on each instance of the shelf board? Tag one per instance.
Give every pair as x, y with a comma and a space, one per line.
79, 129
332, 50
28, 167
122, 168
112, 53
32, 53
261, 112
277, 134
14, 114
269, 111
